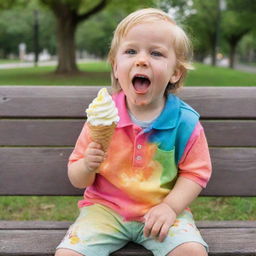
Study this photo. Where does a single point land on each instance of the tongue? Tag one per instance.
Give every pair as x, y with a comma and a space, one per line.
141, 85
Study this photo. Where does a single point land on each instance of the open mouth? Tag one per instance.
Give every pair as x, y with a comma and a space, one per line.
141, 83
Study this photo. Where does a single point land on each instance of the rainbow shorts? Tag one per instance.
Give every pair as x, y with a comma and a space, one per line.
99, 230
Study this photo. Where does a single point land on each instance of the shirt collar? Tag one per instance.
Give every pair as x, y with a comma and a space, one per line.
120, 102
167, 119
169, 116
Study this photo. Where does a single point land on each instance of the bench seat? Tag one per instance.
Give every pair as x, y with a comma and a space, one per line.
39, 127
41, 237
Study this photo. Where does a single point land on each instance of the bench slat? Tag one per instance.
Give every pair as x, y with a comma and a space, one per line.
46, 169
222, 241
35, 171
63, 225
40, 132
65, 132
68, 101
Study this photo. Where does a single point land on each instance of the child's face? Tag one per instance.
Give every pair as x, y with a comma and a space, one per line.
145, 62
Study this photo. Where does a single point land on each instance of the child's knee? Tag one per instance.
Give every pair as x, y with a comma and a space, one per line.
66, 252
189, 248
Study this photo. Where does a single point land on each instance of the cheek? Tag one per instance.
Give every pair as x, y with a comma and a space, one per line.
163, 72
121, 69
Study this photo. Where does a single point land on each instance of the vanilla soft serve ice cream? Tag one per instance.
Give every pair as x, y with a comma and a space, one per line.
102, 118
102, 110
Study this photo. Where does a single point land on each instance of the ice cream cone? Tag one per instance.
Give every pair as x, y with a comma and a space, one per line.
102, 134
102, 118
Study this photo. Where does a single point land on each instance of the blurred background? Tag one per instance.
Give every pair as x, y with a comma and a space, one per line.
66, 33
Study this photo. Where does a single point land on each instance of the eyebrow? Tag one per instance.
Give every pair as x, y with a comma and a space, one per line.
152, 46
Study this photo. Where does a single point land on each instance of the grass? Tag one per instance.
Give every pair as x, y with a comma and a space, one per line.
38, 208
65, 208
98, 73
224, 208
205, 75
93, 74
7, 61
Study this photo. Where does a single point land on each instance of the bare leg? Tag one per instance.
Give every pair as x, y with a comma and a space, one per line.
189, 248
66, 252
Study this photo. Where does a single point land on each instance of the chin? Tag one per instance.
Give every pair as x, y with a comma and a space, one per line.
141, 102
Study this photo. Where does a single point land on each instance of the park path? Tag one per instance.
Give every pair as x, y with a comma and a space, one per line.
41, 63
246, 68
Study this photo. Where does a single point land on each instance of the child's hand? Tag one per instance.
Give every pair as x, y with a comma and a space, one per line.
94, 156
158, 221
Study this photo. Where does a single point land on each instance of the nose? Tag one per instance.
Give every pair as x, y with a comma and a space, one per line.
141, 60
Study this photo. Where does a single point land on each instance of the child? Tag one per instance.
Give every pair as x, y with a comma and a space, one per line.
158, 160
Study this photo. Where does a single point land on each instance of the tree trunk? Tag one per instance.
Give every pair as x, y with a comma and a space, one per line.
232, 54
213, 57
66, 28
68, 17
213, 53
233, 41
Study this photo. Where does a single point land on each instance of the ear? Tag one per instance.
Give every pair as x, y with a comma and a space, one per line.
176, 75
115, 70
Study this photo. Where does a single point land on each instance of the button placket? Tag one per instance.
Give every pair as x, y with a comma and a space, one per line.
138, 158
138, 152
139, 146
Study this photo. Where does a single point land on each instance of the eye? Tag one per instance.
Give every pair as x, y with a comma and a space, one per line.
130, 51
156, 53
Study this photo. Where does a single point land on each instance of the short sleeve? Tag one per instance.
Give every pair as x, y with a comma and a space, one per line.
195, 163
80, 147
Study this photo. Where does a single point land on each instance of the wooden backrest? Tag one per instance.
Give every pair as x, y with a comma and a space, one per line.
39, 127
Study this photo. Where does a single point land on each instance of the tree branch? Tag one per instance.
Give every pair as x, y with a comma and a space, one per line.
94, 10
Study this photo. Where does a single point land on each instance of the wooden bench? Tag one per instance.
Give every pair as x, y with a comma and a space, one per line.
39, 127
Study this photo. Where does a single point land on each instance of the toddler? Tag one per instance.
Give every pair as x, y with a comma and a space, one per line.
158, 160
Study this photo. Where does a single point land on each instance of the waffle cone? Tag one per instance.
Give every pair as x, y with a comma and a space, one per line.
102, 134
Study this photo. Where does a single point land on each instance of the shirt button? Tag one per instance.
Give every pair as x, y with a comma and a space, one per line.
138, 158
139, 146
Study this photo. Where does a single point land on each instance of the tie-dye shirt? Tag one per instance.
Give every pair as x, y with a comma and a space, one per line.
142, 165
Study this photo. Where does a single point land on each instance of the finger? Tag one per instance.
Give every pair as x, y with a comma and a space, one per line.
93, 166
95, 152
93, 162
149, 222
164, 232
95, 156
155, 230
94, 144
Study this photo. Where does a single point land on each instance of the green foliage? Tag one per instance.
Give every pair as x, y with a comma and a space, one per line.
95, 35
238, 19
6, 4
248, 43
202, 22
14, 30
198, 17
16, 26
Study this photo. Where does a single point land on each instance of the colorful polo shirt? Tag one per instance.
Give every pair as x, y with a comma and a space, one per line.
142, 165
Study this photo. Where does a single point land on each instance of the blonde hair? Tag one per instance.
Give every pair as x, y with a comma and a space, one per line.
182, 45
